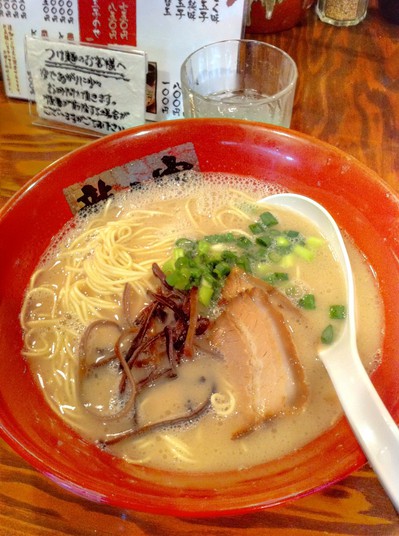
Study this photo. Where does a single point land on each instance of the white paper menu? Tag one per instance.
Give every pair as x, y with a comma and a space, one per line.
166, 30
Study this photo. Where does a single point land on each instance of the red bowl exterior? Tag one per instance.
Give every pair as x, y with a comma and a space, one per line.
356, 197
285, 15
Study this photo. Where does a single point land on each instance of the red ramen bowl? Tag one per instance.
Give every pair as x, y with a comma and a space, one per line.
361, 204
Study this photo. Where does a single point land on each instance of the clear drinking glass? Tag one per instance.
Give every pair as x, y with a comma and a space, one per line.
241, 79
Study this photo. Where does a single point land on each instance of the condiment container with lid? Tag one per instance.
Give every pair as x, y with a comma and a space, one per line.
342, 12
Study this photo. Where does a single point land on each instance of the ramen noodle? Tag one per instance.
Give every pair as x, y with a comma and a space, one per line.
196, 416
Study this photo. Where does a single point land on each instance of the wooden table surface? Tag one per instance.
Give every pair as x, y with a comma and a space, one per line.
347, 95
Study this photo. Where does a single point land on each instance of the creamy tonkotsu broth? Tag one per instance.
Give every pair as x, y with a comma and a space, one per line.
81, 281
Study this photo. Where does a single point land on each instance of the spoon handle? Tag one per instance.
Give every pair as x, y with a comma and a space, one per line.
375, 429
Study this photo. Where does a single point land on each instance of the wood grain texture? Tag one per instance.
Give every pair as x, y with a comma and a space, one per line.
347, 95
31, 504
348, 88
26, 149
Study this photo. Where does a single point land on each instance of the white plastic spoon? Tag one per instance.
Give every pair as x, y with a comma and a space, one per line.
375, 429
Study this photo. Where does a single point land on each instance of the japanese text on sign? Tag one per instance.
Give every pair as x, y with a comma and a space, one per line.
58, 12
88, 87
108, 22
202, 10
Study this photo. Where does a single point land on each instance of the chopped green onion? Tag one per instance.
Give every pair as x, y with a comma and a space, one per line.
214, 254
291, 291
244, 264
244, 242
208, 278
274, 232
307, 302
338, 312
256, 228
282, 241
303, 252
268, 219
222, 268
185, 243
276, 277
205, 292
292, 234
262, 269
205, 263
287, 261
274, 256
229, 257
168, 266
327, 335
181, 262
203, 246
264, 241
177, 253
178, 280
260, 253
220, 238
314, 242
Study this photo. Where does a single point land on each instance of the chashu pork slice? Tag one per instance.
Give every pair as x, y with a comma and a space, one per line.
262, 365
238, 281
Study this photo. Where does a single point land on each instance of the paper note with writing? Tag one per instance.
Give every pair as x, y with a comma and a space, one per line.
88, 87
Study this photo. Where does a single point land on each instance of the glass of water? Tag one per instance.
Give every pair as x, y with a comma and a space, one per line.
242, 79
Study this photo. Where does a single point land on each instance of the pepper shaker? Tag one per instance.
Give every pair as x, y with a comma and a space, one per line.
342, 12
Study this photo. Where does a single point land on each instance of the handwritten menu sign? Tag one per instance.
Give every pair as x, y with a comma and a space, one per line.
99, 89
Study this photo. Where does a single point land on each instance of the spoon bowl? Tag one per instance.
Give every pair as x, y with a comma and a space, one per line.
375, 429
